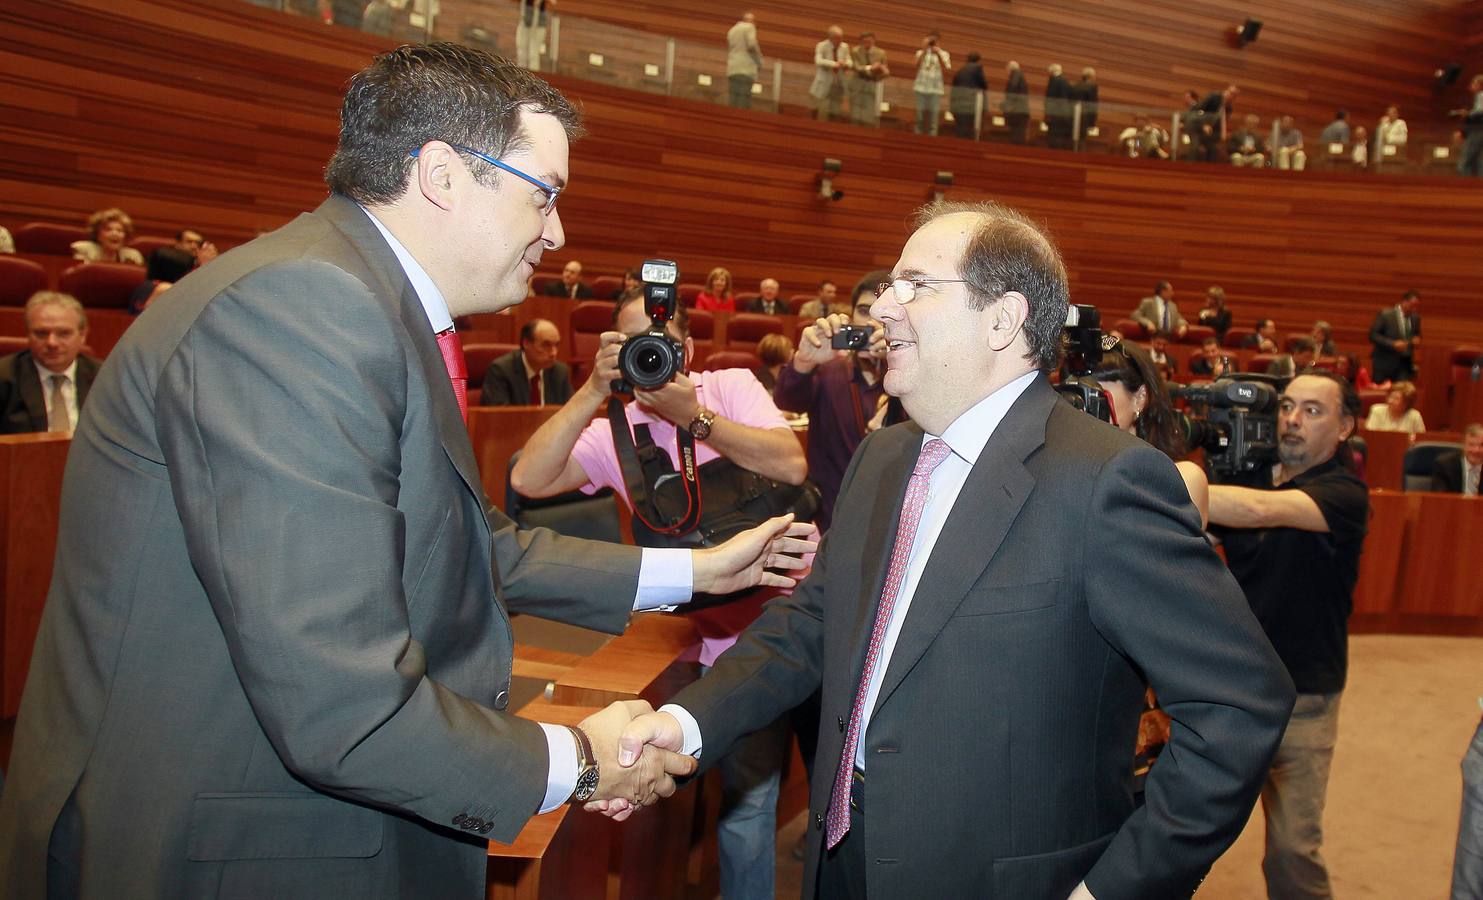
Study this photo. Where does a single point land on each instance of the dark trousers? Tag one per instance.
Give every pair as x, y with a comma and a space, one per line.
1017, 123
842, 870
740, 90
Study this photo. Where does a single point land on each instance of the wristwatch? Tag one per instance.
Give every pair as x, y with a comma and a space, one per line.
587, 774
700, 426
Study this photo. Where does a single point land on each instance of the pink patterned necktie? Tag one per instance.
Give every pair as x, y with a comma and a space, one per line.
451, 347
933, 452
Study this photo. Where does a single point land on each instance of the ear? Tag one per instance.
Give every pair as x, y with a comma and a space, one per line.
1007, 317
1140, 398
1347, 428
434, 171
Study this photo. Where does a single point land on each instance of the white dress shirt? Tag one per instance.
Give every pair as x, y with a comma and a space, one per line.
966, 437
69, 389
665, 576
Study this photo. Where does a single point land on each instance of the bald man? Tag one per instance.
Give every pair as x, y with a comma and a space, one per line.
532, 375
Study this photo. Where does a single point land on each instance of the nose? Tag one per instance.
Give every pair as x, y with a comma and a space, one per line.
886, 308
553, 235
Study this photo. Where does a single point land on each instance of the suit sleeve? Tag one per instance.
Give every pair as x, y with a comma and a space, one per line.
591, 584
496, 391
1377, 333
280, 423
1161, 597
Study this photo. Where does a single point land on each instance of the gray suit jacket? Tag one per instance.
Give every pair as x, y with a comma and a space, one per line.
1147, 314
505, 384
282, 669
22, 406
1071, 568
743, 55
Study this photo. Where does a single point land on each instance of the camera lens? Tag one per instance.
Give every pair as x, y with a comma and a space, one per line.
647, 361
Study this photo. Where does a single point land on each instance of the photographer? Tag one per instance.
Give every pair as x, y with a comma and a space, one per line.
729, 415
839, 389
1293, 535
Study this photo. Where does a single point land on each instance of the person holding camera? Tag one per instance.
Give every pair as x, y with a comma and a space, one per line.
1293, 535
933, 67
728, 414
835, 377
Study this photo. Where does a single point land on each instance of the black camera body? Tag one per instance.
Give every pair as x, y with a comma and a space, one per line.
851, 337
652, 358
1233, 421
1083, 345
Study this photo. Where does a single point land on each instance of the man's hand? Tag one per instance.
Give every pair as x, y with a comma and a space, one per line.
637, 779
655, 732
744, 561
1398, 346
675, 402
206, 254
604, 365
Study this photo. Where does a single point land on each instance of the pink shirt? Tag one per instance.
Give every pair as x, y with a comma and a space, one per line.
733, 394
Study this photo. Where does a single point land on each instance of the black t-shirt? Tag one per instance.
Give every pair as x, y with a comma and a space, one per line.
1300, 583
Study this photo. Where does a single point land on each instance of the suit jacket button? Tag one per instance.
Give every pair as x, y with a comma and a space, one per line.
459, 819
818, 821
486, 828
841, 724
502, 700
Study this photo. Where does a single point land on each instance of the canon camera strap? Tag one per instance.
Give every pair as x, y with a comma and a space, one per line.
637, 483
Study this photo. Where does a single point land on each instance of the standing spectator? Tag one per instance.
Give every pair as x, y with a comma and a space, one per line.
1323, 338
1210, 361
775, 351
1289, 149
717, 296
166, 266
378, 17
1085, 93
867, 70
1016, 102
827, 302
1337, 131
530, 32
969, 85
1058, 109
1247, 147
1359, 152
1470, 162
1215, 315
1394, 336
7, 243
1289, 365
193, 242
933, 65
1265, 339
1144, 139
743, 59
1209, 118
767, 300
111, 229
830, 56
1157, 312
42, 388
571, 285
1293, 534
531, 375
1458, 473
1398, 412
1392, 131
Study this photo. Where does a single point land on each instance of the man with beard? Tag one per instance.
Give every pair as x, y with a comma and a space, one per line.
1293, 535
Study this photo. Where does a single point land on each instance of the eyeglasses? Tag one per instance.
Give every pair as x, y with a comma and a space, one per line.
552, 192
906, 288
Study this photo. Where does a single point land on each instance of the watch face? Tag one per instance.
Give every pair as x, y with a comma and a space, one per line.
586, 785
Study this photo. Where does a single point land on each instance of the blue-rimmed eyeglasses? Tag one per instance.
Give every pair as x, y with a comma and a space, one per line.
552, 192
906, 288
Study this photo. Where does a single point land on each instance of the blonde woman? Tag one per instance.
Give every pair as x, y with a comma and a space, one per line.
111, 229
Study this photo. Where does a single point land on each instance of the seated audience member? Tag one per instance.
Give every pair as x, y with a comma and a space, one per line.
1265, 339
1363, 380
1398, 412
1323, 338
167, 265
1360, 151
827, 302
1158, 312
1144, 139
1210, 362
1215, 315
1288, 365
111, 229
633, 285
1392, 131
1337, 131
191, 241
7, 243
767, 300
717, 296
775, 351
531, 375
1458, 472
42, 388
1248, 147
1158, 349
1289, 150
839, 390
571, 285
1346, 366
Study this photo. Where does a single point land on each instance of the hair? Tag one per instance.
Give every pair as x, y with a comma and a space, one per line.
826, 283
169, 264
682, 313
1219, 293
723, 273
1161, 286
973, 56
1407, 390
1261, 322
55, 298
1009, 251
869, 282
102, 217
180, 235
1473, 430
866, 34
424, 92
774, 349
1089, 73
1412, 294
1326, 328
1353, 362
632, 275
1130, 366
1341, 114
1054, 69
1303, 343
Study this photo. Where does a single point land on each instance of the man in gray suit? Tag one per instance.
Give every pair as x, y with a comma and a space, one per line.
532, 375
1157, 312
282, 669
743, 58
1002, 580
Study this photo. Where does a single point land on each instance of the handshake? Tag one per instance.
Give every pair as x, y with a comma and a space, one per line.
638, 754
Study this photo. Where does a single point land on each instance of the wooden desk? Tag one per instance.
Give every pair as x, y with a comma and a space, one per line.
30, 495
1441, 586
1385, 465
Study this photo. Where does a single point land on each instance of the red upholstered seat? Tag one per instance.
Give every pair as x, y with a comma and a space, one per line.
1259, 362
688, 293
746, 329
9, 345
731, 359
148, 245
1197, 334
702, 325
1130, 329
607, 287
540, 280
44, 237
477, 358
589, 320
1463, 360
745, 297
795, 302
1235, 337
19, 279
102, 285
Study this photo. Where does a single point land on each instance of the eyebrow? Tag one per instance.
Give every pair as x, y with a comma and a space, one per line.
910, 273
554, 180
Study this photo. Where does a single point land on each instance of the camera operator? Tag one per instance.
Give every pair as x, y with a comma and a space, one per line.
839, 389
1293, 535
729, 415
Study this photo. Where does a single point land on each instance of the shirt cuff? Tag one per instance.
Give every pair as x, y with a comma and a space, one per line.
666, 579
561, 774
688, 726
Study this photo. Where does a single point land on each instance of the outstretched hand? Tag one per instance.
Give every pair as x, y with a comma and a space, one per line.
748, 559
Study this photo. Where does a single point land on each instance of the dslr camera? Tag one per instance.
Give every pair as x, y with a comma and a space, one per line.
1234, 421
651, 358
1083, 343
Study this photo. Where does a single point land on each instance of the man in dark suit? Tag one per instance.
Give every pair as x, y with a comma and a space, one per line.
532, 375
1016, 102
1002, 580
767, 300
42, 389
283, 668
1395, 336
1461, 472
571, 285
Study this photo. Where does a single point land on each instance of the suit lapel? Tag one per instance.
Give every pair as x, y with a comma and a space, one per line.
991, 499
30, 386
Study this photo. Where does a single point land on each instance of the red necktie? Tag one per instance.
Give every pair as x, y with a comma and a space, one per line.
458, 373
535, 389
933, 452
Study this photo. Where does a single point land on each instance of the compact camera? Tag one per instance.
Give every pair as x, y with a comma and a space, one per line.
652, 358
851, 337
